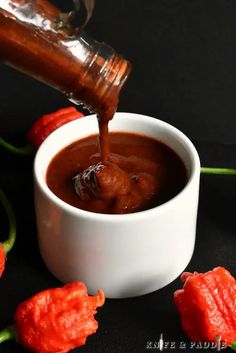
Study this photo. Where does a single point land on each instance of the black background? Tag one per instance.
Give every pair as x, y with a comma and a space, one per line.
183, 55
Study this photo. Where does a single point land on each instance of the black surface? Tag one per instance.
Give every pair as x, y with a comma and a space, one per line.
183, 55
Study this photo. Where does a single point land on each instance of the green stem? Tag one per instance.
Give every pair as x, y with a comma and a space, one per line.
233, 346
8, 244
26, 150
220, 171
8, 333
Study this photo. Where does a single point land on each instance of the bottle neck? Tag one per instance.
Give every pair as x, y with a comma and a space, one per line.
103, 75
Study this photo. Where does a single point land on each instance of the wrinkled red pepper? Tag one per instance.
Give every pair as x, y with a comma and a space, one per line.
207, 305
8, 244
47, 123
55, 320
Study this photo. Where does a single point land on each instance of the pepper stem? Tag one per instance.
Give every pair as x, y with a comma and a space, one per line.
220, 171
233, 346
26, 150
9, 333
8, 244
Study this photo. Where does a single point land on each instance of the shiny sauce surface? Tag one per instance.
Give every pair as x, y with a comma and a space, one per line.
141, 173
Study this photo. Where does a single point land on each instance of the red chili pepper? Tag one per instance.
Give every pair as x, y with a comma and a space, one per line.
50, 122
55, 320
207, 305
8, 244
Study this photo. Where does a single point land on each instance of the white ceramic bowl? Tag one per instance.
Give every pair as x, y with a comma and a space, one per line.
124, 255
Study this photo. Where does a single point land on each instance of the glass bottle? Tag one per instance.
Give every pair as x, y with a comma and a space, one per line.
36, 39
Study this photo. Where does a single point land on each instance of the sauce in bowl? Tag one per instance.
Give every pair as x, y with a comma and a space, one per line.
141, 173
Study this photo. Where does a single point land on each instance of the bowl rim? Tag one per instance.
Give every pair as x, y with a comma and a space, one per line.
41, 183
